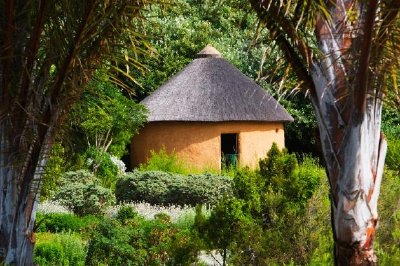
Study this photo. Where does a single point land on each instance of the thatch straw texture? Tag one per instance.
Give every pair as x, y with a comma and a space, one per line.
211, 89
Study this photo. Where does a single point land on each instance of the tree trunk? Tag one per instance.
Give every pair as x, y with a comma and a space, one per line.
17, 220
44, 67
18, 200
354, 151
345, 78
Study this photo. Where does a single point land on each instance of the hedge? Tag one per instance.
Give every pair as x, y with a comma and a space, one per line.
156, 187
80, 192
64, 222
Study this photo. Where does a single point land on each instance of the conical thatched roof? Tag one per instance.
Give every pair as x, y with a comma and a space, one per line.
210, 89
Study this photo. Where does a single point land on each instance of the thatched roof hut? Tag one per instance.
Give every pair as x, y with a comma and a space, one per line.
210, 98
210, 89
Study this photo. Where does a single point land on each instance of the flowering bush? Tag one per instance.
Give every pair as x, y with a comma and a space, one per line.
49, 206
119, 164
148, 211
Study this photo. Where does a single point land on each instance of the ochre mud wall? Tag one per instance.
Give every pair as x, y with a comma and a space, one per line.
199, 143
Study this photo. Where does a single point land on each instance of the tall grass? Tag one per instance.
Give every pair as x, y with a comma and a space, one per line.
59, 249
393, 155
171, 163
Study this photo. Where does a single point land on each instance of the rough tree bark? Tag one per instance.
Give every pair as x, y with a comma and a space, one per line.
344, 77
19, 185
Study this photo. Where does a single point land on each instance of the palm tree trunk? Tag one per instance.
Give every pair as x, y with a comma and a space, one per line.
355, 190
354, 151
18, 203
345, 80
17, 220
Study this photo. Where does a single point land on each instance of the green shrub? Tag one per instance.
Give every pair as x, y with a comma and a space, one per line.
323, 253
52, 172
59, 249
101, 164
308, 174
165, 162
276, 213
248, 186
110, 245
283, 174
230, 227
81, 193
393, 155
64, 222
141, 242
286, 216
126, 212
277, 167
315, 240
391, 120
163, 188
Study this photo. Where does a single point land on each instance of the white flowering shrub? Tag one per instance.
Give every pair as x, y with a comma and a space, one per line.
119, 164
49, 206
148, 211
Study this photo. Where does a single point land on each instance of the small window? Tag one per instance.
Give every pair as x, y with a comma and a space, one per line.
229, 150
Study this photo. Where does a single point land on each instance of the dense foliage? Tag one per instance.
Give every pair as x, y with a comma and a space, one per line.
391, 128
99, 127
134, 241
80, 192
166, 162
266, 203
188, 26
158, 187
278, 214
64, 222
103, 118
393, 155
60, 249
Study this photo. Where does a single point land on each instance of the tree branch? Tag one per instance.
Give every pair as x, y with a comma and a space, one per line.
31, 55
61, 75
360, 90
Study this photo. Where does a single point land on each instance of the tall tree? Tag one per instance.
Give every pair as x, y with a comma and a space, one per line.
342, 52
49, 51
